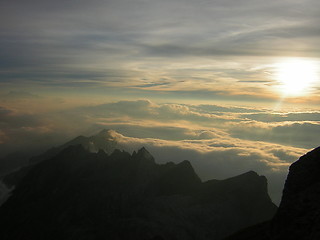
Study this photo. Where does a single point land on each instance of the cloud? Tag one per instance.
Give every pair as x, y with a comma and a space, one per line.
282, 117
76, 53
221, 141
218, 161
21, 95
146, 119
299, 134
30, 133
134, 44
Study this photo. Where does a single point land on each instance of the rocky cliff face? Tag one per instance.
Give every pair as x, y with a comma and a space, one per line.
298, 216
83, 195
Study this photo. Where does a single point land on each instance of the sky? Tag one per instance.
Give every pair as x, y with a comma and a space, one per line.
233, 85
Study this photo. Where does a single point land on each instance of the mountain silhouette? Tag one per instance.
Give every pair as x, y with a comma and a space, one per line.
105, 140
298, 216
80, 194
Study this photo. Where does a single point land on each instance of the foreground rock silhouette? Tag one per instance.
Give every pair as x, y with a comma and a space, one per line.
78, 194
298, 216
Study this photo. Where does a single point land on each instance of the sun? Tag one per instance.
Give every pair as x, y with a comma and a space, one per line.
296, 76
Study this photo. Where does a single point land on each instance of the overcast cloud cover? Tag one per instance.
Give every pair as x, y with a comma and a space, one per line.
220, 49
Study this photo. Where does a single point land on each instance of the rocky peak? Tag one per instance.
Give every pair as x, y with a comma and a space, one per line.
299, 210
251, 181
250, 175
105, 140
298, 216
303, 173
144, 154
119, 154
185, 170
78, 194
106, 134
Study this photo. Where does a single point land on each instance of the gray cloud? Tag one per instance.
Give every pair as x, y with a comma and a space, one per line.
304, 135
77, 40
281, 117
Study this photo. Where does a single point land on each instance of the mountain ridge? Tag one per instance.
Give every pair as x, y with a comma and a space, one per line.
298, 214
122, 192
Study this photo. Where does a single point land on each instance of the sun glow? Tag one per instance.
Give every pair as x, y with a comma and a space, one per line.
296, 76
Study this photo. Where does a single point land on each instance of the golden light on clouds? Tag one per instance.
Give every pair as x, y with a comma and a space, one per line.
296, 76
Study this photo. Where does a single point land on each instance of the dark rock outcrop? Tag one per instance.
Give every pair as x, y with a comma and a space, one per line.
298, 216
83, 195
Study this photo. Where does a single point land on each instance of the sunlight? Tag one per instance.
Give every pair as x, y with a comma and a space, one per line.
296, 76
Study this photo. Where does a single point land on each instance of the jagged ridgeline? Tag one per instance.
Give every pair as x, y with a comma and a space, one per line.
75, 193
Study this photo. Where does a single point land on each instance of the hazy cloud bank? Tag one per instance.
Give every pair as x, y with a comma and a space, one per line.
220, 141
146, 119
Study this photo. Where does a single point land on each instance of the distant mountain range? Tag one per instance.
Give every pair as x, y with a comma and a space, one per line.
89, 189
105, 140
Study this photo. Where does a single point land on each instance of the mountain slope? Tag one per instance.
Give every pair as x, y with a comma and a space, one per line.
83, 195
298, 216
105, 140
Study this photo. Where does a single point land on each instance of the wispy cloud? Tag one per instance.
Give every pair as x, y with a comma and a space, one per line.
134, 44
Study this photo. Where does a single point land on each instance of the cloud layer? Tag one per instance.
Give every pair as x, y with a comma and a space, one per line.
220, 141
219, 49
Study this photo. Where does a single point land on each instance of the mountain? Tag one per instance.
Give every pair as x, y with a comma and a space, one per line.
299, 213
78, 194
16, 165
14, 161
105, 140
298, 216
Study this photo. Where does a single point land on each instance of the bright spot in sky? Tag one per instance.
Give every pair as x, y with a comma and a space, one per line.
296, 76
